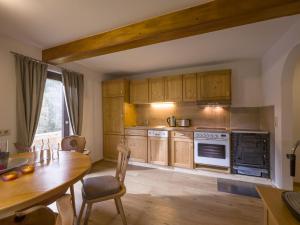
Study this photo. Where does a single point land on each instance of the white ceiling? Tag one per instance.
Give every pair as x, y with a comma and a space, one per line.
46, 23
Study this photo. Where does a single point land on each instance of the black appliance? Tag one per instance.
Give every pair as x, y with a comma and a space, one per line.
250, 153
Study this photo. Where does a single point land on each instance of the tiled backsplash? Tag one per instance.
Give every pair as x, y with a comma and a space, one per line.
208, 117
235, 118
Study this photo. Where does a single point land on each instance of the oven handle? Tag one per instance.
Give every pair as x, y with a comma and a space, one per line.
209, 141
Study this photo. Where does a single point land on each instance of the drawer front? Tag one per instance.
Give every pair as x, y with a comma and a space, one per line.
182, 134
135, 132
138, 147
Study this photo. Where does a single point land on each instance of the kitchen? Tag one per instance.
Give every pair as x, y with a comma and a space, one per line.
200, 98
186, 120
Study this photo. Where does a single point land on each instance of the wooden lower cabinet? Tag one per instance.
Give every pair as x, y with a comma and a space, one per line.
138, 148
182, 152
158, 150
110, 144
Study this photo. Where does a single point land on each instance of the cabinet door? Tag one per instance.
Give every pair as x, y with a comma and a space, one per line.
156, 89
113, 115
114, 88
110, 144
182, 152
214, 85
173, 88
189, 87
139, 91
158, 150
138, 148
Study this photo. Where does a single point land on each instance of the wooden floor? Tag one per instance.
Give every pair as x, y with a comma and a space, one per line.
158, 197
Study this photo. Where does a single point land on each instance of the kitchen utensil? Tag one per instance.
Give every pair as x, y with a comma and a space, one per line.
183, 123
171, 121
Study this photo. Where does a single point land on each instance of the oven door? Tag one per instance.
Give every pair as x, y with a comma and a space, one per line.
216, 153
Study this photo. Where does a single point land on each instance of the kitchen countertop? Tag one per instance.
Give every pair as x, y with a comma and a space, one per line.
193, 129
276, 209
249, 131
162, 128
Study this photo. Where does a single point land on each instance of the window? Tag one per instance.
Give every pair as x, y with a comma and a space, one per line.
54, 121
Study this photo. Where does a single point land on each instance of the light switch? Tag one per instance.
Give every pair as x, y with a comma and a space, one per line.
276, 121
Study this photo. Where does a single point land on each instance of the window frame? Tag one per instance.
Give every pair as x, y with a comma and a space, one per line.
65, 121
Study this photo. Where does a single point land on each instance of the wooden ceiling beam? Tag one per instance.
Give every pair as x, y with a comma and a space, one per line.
212, 16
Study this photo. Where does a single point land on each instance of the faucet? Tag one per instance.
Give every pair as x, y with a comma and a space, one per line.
292, 158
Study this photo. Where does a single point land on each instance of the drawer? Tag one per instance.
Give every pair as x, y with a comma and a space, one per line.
136, 132
182, 134
138, 148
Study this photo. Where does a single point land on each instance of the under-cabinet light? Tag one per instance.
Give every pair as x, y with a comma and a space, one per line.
162, 105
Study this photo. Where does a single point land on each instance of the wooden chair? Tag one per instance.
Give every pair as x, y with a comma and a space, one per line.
102, 188
74, 143
40, 214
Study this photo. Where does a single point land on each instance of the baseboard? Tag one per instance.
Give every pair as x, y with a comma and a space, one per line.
100, 160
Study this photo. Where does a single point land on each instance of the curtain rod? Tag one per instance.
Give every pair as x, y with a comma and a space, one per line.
40, 61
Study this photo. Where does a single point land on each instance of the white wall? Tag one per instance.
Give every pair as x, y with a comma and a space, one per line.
8, 83
277, 91
296, 113
92, 110
246, 80
92, 122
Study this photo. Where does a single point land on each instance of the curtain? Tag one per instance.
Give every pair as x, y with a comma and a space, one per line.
31, 79
73, 84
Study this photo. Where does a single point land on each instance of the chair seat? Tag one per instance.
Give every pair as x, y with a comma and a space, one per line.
97, 187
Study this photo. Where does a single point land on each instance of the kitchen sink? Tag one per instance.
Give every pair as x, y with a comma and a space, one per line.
292, 199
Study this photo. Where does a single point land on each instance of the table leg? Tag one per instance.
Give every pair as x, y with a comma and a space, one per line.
73, 198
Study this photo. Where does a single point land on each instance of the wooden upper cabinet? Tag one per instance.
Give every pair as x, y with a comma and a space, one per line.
214, 86
115, 88
139, 91
156, 89
173, 88
113, 115
189, 87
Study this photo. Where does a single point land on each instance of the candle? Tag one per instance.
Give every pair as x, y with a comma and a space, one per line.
27, 169
10, 176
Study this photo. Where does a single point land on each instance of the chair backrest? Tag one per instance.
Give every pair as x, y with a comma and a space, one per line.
66, 213
123, 158
40, 214
73, 142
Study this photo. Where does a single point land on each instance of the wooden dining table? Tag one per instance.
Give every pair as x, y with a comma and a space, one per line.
49, 181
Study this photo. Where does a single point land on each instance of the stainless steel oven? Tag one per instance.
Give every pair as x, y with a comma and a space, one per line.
212, 148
